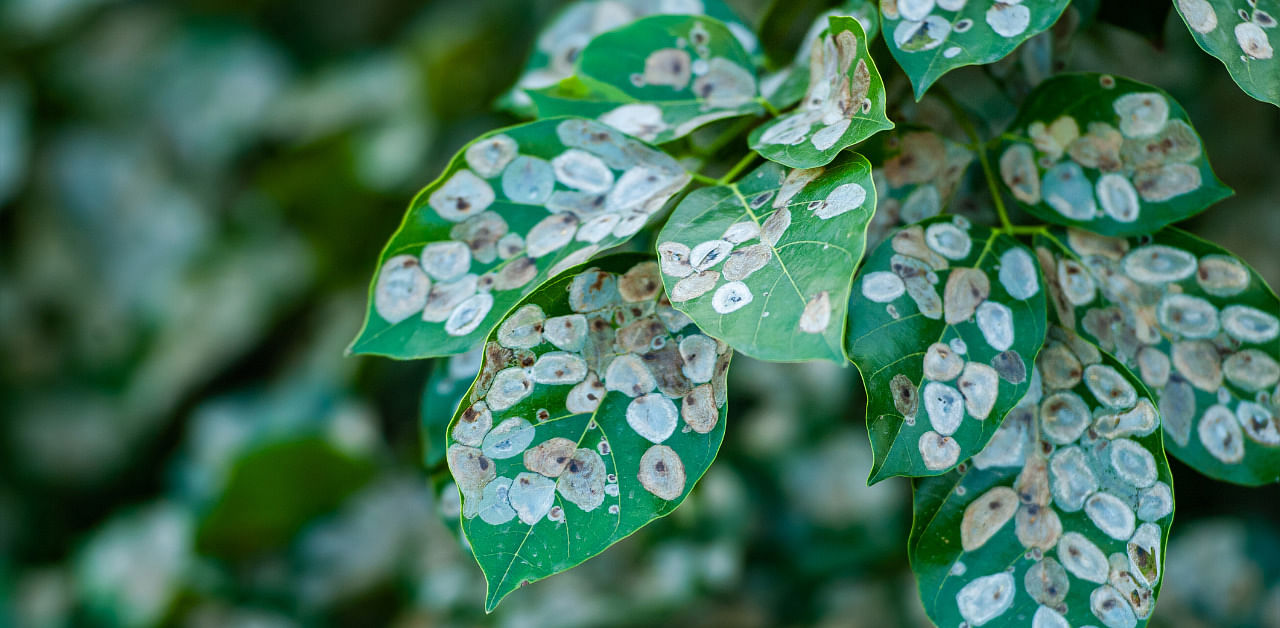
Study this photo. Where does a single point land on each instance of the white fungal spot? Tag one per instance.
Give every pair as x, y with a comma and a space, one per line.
724, 85
979, 385
1037, 527
826, 137
1155, 503
731, 297
966, 288
1134, 463
1109, 386
531, 496
775, 226
995, 320
1188, 316
1220, 434
698, 408
641, 283
1068, 191
707, 254
583, 480
566, 332
1071, 479
585, 396
1018, 171
937, 451
817, 314
447, 260
1139, 421
1119, 199
662, 472
462, 196
1082, 558
795, 181
551, 234
882, 286
1047, 582
1018, 274
914, 9
1008, 446
668, 66
641, 120
1157, 264
446, 296
948, 240
1144, 554
509, 438
673, 257
1046, 617
652, 416
957, 345
1253, 41
694, 286
628, 375
581, 170
1141, 113
742, 262
1248, 324
1110, 607
467, 316
1222, 275
487, 157
945, 407
740, 232
986, 515
494, 508
593, 290
516, 273
528, 180
510, 245
1199, 14
844, 198
941, 363
1198, 362
1153, 365
986, 598
1008, 20
550, 457
923, 202
1064, 416
1168, 181
523, 329
474, 423
1076, 283
699, 355
916, 36
1259, 423
559, 367
953, 51
402, 289
1111, 515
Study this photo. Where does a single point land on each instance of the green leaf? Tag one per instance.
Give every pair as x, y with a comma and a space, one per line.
916, 173
448, 384
514, 208
1107, 154
566, 446
562, 41
787, 86
1242, 35
1197, 324
945, 322
658, 79
844, 103
1056, 522
765, 263
929, 39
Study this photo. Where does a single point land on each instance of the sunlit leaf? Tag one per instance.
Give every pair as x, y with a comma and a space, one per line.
1062, 520
596, 411
844, 103
561, 42
787, 86
1108, 154
930, 39
658, 79
1242, 35
1197, 324
765, 263
513, 208
944, 324
449, 381
916, 172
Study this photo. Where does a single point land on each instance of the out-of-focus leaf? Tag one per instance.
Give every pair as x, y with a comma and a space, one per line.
844, 103
658, 79
944, 324
930, 39
571, 438
1197, 324
765, 263
1242, 35
787, 86
1107, 154
1062, 519
445, 389
916, 172
513, 208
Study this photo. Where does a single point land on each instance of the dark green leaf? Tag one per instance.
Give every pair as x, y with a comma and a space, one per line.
787, 86
1242, 35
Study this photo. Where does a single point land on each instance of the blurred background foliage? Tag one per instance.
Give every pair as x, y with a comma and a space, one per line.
192, 198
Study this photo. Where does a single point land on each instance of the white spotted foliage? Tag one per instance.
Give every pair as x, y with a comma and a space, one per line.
787, 85
916, 172
1200, 328
945, 321
1107, 154
764, 263
514, 208
597, 409
1242, 35
1062, 519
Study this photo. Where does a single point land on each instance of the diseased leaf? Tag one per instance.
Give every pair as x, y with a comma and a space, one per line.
930, 39
916, 172
1242, 35
944, 324
765, 263
446, 387
1107, 154
658, 79
596, 411
844, 103
562, 41
1062, 520
1197, 324
787, 86
514, 208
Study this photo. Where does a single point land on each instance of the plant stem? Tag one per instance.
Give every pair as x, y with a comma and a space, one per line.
703, 179
738, 168
962, 118
768, 106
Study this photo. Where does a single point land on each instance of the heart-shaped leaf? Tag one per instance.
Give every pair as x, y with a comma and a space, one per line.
596, 411
844, 103
659, 78
514, 208
1107, 154
1197, 324
1063, 518
1242, 35
561, 42
944, 324
916, 172
787, 86
931, 38
765, 263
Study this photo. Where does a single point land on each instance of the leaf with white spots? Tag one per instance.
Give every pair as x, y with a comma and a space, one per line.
1063, 518
659, 78
1107, 154
765, 263
916, 173
1242, 35
944, 322
785, 87
930, 38
1198, 325
597, 409
513, 208
844, 103
561, 42
447, 385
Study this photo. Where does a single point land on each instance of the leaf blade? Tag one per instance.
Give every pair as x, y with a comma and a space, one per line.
1242, 45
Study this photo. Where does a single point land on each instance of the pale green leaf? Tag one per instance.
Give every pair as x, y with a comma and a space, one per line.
930, 39
659, 78
917, 173
512, 209
1242, 35
1063, 519
1197, 324
765, 263
844, 103
1107, 154
944, 324
563, 446
787, 86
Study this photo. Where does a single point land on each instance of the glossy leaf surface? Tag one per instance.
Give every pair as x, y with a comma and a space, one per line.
1242, 35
